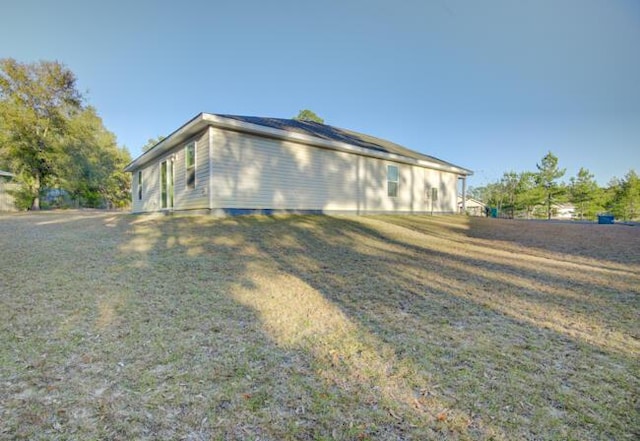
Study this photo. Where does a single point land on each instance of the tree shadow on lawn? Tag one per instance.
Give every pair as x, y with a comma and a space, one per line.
531, 363
579, 298
317, 372
226, 374
604, 245
307, 327
133, 331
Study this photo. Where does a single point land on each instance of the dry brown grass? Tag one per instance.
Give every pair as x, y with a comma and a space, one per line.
315, 327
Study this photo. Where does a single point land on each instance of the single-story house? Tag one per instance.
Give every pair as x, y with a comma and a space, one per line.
228, 164
472, 207
7, 202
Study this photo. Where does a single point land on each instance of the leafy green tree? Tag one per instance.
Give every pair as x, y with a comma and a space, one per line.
152, 142
492, 194
476, 192
51, 140
508, 188
625, 203
92, 162
528, 193
36, 103
516, 194
116, 190
585, 194
608, 194
546, 178
308, 115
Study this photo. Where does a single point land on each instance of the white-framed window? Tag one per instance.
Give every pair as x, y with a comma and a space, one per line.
434, 194
190, 163
392, 180
139, 185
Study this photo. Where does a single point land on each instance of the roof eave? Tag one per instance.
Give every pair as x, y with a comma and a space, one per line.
242, 126
181, 134
202, 120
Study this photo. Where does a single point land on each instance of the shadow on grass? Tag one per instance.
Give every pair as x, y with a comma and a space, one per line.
604, 245
510, 342
314, 327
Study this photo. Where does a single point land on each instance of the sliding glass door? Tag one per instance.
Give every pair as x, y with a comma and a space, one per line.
166, 184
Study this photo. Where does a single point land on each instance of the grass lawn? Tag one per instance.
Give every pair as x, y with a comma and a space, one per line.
120, 327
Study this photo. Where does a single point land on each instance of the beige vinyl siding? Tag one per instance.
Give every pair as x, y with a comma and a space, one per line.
135, 202
184, 198
447, 186
261, 173
150, 189
411, 187
256, 172
198, 197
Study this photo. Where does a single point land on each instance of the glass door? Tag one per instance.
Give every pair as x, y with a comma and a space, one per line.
166, 184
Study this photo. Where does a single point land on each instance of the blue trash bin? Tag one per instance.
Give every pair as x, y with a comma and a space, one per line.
605, 218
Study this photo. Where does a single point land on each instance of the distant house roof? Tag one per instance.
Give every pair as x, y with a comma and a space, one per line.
471, 202
6, 173
308, 132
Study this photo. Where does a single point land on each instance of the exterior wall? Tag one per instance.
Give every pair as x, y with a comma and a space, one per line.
184, 198
150, 189
252, 172
256, 172
198, 197
473, 207
447, 186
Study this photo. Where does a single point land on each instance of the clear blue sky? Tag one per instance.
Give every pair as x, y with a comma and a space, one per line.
491, 85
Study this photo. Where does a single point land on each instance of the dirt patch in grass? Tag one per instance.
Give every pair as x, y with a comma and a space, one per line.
315, 327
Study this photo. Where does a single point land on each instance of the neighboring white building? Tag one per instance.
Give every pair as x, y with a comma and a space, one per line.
472, 207
563, 211
226, 164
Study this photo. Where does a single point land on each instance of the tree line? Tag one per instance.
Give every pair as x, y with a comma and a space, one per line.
531, 194
55, 143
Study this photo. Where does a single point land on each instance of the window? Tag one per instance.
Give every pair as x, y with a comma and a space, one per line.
139, 185
392, 181
166, 183
190, 161
430, 193
163, 184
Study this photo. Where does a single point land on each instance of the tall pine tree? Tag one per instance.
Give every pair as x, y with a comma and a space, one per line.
546, 178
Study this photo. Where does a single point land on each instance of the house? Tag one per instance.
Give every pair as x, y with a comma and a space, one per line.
473, 207
563, 211
7, 202
227, 164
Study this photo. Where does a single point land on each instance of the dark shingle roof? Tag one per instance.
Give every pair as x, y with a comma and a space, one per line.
331, 133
